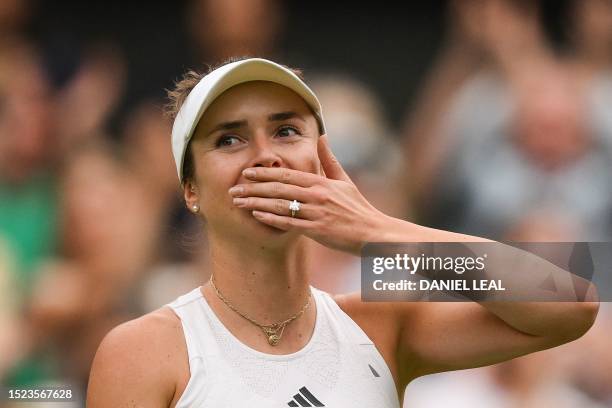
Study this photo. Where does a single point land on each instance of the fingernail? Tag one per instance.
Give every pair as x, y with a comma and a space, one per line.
249, 172
236, 190
239, 201
257, 214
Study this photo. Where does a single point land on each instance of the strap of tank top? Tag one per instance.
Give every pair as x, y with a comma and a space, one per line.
348, 328
197, 322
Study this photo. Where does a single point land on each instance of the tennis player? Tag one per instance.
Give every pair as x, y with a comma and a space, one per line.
254, 162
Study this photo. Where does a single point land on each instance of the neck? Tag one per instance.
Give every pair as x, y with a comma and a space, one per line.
268, 284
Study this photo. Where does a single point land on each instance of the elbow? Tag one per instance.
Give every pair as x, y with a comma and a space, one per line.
590, 311
583, 314
579, 320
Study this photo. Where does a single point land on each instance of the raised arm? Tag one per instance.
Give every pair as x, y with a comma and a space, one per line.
442, 336
432, 336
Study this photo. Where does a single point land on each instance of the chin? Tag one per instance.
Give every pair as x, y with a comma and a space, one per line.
268, 235
261, 233
265, 227
273, 229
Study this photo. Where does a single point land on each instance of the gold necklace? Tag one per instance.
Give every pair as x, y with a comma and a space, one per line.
273, 331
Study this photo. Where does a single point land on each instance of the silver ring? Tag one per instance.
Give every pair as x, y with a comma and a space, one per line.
294, 206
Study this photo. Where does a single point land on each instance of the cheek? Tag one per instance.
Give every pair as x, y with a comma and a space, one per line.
316, 165
214, 180
308, 158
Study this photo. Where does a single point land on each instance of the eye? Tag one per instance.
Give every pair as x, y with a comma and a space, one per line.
286, 131
226, 140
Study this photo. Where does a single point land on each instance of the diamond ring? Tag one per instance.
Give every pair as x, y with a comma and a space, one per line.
294, 206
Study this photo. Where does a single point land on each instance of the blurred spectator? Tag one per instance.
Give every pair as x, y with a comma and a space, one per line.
27, 154
179, 261
590, 360
363, 143
459, 389
492, 42
590, 26
531, 151
84, 105
12, 335
509, 142
79, 295
145, 141
229, 28
362, 139
97, 188
571, 376
590, 58
14, 14
537, 380
514, 139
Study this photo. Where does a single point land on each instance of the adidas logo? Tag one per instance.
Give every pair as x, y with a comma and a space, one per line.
304, 398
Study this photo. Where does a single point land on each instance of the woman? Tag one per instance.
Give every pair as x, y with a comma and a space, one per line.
255, 164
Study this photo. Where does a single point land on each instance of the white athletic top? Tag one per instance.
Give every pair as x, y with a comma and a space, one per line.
339, 367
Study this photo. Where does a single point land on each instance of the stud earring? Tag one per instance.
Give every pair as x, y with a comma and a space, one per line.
195, 208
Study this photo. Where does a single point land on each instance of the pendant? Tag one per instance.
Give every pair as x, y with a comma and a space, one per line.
273, 339
273, 333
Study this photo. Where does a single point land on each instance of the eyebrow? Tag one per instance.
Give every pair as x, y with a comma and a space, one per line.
283, 116
229, 125
274, 117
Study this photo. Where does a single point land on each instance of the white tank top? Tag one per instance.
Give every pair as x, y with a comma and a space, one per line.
339, 367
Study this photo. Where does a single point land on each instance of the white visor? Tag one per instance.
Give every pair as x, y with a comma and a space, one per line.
219, 81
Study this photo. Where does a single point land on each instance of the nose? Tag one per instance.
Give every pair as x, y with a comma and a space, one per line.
265, 155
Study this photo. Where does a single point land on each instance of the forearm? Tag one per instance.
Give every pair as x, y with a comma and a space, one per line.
540, 311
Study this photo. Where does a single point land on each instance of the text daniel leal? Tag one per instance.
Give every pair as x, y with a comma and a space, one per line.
446, 284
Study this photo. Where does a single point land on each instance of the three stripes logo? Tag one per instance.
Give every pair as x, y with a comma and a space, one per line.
304, 398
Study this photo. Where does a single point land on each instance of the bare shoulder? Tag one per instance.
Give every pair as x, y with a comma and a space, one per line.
352, 305
137, 362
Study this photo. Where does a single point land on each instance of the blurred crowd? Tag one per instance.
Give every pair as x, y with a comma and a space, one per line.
510, 138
